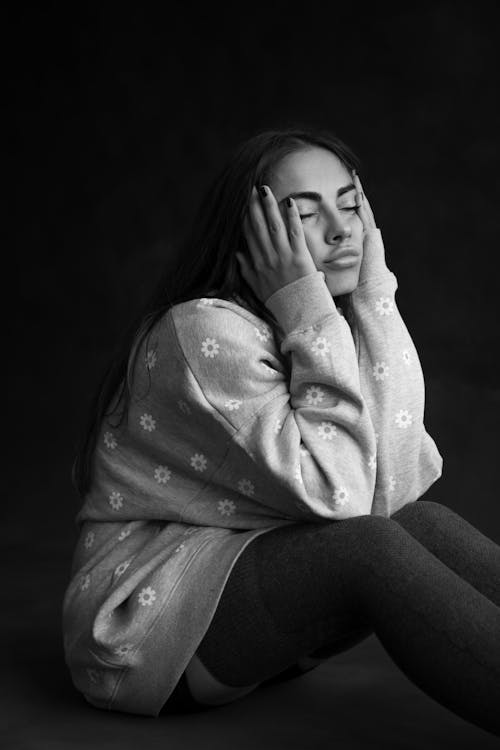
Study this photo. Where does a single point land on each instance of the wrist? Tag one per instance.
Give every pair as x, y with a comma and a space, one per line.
373, 262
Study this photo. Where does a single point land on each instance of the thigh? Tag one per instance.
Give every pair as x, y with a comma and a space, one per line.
456, 542
287, 597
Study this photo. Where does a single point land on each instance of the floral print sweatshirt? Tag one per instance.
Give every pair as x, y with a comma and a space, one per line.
235, 428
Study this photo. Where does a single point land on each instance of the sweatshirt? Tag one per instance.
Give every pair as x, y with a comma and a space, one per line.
235, 428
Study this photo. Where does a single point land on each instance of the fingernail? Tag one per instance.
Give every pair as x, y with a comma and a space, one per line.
263, 190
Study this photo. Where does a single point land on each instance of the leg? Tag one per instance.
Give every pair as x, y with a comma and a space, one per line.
298, 588
457, 543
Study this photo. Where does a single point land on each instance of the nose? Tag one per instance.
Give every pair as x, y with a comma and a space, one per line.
339, 228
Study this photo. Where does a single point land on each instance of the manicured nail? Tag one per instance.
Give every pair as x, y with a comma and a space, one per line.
263, 190
289, 202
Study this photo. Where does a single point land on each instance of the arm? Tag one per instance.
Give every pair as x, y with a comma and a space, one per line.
299, 420
391, 379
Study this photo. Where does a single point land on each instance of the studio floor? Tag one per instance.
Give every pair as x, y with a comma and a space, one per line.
357, 699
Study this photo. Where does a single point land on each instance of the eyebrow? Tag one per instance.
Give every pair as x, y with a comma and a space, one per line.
312, 195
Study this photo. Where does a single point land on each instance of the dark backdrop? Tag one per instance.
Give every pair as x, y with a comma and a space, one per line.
119, 118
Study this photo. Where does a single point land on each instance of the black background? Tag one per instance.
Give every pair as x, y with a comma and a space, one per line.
117, 120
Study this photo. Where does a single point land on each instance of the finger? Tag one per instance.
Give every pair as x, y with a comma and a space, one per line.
369, 211
365, 211
357, 183
360, 202
295, 229
264, 247
278, 231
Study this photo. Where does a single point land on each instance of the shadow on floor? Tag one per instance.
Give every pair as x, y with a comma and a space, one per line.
357, 699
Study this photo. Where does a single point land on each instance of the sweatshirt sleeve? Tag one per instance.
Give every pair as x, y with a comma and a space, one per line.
294, 408
392, 380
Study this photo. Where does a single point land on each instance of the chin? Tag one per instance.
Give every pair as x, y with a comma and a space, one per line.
342, 283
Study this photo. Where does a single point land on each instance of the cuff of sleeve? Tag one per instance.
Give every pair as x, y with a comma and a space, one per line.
302, 303
373, 265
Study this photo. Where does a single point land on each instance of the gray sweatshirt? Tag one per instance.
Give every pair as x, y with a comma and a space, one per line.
236, 428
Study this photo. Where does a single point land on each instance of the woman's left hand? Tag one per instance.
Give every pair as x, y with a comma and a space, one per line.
373, 261
365, 211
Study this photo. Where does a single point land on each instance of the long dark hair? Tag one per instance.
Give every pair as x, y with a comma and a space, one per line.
207, 262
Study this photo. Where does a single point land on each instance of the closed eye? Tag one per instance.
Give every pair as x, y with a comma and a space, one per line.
344, 208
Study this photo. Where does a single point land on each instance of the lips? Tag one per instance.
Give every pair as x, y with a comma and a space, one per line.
347, 251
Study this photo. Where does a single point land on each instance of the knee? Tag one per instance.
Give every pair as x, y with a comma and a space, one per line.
430, 507
368, 532
370, 540
424, 509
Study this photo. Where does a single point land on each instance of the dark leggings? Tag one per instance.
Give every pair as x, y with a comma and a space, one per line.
425, 581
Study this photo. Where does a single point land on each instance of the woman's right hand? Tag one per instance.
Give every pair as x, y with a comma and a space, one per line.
278, 254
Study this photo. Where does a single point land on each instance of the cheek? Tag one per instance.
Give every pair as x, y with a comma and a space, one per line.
315, 244
357, 225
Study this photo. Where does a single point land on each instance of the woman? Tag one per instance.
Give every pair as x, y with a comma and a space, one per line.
253, 459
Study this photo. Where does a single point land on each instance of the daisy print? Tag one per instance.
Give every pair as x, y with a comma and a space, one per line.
123, 649
84, 582
110, 440
198, 462
210, 347
384, 306
327, 430
146, 596
150, 359
183, 406
263, 333
116, 500
246, 487
226, 507
148, 423
93, 675
392, 484
123, 534
315, 395
162, 474
406, 357
89, 539
340, 496
380, 370
122, 567
203, 301
320, 346
233, 404
403, 418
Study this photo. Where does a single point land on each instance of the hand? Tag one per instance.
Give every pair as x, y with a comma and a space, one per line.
278, 253
373, 261
365, 212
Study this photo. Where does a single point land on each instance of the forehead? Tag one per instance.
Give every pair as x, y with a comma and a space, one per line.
310, 169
